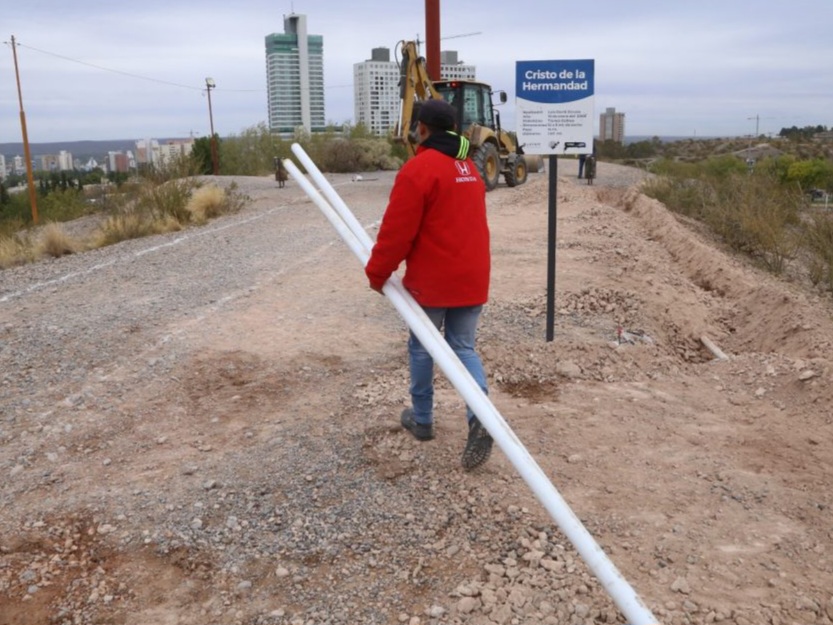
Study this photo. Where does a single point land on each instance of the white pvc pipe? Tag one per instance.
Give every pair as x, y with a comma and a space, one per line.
357, 239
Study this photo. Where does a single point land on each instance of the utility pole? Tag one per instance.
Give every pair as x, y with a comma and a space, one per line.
215, 164
432, 38
33, 197
757, 119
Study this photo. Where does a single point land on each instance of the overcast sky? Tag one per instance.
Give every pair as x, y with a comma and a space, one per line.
706, 68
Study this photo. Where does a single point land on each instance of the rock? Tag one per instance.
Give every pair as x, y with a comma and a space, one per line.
568, 369
467, 605
681, 585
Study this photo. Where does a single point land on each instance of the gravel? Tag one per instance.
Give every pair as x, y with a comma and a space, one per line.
298, 521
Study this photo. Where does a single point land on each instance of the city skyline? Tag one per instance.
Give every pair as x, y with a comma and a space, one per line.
102, 71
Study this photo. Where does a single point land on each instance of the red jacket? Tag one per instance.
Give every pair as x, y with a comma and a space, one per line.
436, 222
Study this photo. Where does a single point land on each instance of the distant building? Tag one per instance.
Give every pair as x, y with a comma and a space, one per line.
453, 69
3, 171
118, 162
376, 92
65, 161
295, 78
48, 162
612, 126
151, 152
376, 97
18, 165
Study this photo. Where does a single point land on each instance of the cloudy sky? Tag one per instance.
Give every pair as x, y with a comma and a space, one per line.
123, 70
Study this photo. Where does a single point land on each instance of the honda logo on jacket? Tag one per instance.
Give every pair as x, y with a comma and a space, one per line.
464, 167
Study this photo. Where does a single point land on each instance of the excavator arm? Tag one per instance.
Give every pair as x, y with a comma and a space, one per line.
414, 86
493, 150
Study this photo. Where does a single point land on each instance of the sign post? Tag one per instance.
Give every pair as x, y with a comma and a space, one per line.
554, 104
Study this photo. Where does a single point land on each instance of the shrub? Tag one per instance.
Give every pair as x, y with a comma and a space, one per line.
14, 251
818, 235
63, 205
167, 199
55, 242
757, 216
206, 202
133, 225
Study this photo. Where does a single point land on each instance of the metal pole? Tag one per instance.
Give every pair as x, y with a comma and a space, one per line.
552, 230
215, 164
432, 38
27, 154
357, 239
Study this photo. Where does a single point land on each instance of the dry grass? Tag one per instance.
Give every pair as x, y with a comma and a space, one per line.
15, 251
145, 209
132, 225
55, 242
206, 203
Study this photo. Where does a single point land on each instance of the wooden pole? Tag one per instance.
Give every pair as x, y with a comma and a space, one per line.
27, 154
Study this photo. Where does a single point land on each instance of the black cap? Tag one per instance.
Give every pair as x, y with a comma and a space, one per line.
438, 114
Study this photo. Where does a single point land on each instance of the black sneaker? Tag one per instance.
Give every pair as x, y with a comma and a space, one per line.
478, 446
420, 431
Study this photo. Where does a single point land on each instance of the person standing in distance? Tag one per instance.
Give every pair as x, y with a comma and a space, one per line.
435, 221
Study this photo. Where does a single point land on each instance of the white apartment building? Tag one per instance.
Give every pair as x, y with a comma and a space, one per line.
295, 78
451, 68
376, 99
376, 92
150, 152
2, 167
65, 161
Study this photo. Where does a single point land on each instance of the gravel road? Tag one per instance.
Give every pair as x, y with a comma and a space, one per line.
196, 429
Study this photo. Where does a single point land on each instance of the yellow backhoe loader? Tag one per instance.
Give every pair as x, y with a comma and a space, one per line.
494, 150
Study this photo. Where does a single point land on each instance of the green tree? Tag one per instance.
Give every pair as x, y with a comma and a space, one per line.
810, 174
201, 154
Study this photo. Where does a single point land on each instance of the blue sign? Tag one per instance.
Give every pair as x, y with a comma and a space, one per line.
554, 102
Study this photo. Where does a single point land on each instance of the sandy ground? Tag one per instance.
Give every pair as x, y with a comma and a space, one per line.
706, 481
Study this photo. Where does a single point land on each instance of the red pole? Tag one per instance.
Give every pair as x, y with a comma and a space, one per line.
432, 38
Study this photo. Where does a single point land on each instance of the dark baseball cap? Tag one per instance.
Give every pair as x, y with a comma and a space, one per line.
438, 114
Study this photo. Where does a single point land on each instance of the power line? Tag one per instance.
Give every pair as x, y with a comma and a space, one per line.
128, 74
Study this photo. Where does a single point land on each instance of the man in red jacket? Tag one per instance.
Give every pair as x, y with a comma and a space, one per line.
436, 222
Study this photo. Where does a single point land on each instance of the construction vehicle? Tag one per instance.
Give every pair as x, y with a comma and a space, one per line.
493, 150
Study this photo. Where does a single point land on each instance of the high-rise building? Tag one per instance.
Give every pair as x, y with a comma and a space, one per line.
295, 78
612, 126
3, 171
376, 98
376, 92
453, 69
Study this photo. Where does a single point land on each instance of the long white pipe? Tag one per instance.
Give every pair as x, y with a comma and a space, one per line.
359, 242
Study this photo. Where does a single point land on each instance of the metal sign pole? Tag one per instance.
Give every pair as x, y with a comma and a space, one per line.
552, 230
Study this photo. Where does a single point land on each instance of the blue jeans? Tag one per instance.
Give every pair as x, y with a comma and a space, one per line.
460, 327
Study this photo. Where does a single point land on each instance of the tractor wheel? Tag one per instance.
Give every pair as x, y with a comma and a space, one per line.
516, 172
487, 161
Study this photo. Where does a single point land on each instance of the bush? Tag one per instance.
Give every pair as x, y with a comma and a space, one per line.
55, 242
252, 152
818, 235
14, 251
212, 201
756, 213
757, 216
